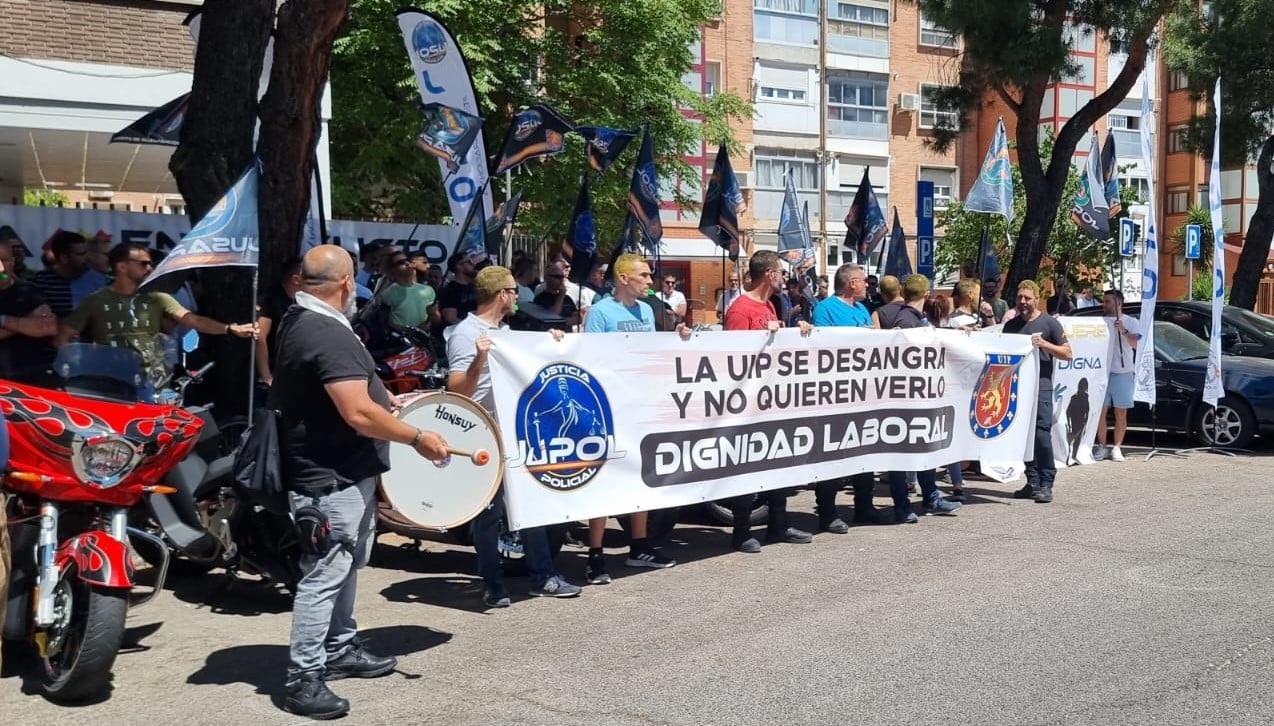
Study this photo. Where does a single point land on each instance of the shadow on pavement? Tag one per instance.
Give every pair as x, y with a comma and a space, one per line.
264, 667
227, 594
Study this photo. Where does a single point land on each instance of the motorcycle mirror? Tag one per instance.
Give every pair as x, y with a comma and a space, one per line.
190, 341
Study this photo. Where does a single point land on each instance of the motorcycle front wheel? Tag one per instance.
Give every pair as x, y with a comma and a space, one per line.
82, 643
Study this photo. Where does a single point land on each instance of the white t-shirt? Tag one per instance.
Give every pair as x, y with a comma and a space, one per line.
1119, 354
462, 348
1082, 302
674, 300
961, 319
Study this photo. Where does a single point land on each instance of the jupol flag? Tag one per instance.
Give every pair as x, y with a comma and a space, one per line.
448, 133
161, 126
643, 195
722, 205
794, 246
1108, 168
580, 246
898, 263
1090, 211
227, 236
535, 131
604, 144
474, 239
865, 221
993, 189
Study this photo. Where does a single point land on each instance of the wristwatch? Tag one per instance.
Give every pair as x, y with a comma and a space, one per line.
416, 439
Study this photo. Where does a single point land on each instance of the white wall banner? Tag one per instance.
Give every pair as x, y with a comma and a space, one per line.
1079, 389
162, 231
598, 425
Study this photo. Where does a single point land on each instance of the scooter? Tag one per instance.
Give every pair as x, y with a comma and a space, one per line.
78, 461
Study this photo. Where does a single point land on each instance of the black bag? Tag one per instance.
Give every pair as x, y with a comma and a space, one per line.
258, 466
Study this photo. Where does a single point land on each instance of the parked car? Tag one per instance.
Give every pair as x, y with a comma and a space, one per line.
1243, 332
1181, 359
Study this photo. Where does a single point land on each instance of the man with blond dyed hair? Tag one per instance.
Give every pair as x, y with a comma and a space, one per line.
623, 312
467, 351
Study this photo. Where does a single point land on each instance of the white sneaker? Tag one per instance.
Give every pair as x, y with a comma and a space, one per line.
1100, 452
1116, 454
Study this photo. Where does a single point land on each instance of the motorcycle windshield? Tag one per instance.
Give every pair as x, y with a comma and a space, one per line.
100, 362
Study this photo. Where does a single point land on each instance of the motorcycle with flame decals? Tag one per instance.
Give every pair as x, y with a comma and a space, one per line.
77, 463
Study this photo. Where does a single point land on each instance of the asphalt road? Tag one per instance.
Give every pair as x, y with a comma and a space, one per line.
1143, 595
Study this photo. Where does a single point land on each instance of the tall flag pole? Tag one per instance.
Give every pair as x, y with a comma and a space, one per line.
1213, 390
442, 77
1144, 386
1090, 211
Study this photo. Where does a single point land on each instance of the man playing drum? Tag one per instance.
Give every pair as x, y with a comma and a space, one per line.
467, 351
624, 313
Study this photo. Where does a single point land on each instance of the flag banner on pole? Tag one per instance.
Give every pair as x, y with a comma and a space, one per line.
604, 144
647, 421
580, 246
1212, 385
442, 77
794, 246
161, 126
227, 236
505, 216
448, 133
643, 194
1090, 211
1144, 388
993, 189
1109, 168
473, 238
865, 221
898, 263
536, 131
988, 263
722, 205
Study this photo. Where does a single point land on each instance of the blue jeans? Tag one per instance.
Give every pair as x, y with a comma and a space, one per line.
957, 475
1041, 470
898, 490
485, 530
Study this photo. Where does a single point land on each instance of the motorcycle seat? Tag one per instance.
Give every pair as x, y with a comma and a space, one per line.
219, 469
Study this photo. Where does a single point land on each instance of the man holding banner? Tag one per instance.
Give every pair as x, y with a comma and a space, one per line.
1120, 362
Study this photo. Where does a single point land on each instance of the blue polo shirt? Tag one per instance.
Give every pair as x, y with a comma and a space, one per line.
836, 312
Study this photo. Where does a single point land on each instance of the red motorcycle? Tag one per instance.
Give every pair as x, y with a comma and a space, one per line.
77, 463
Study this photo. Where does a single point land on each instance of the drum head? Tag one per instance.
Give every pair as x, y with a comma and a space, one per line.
444, 497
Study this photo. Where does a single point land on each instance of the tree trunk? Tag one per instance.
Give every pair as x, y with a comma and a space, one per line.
216, 147
290, 124
1256, 246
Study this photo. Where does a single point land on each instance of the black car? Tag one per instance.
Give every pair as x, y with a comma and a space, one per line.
1243, 332
1180, 362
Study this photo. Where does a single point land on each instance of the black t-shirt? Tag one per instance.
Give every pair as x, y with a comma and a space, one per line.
275, 305
461, 296
23, 359
318, 448
898, 314
547, 300
1051, 330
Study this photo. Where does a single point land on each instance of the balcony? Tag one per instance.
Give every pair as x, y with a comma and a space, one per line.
1127, 143
872, 130
767, 204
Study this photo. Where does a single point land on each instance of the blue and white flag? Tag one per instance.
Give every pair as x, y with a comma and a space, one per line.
1213, 391
227, 236
794, 246
1090, 211
1144, 389
993, 189
898, 263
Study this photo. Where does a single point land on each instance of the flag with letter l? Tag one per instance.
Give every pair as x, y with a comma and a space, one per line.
993, 189
865, 222
1090, 211
227, 236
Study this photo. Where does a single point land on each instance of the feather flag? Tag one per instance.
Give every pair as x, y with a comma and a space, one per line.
448, 133
535, 131
605, 145
580, 246
1213, 383
865, 221
643, 195
1090, 210
898, 263
722, 205
993, 189
1108, 168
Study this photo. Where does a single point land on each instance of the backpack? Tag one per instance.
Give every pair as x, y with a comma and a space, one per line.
258, 466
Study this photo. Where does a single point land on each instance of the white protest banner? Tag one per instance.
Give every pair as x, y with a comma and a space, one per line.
1079, 389
604, 424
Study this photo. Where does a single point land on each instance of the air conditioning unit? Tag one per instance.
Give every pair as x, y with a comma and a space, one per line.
744, 178
909, 101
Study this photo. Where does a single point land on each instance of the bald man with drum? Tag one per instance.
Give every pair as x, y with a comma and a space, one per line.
470, 375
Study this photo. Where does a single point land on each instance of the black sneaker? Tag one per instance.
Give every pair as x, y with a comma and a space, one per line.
648, 557
791, 535
957, 495
836, 526
309, 696
1026, 492
749, 545
595, 571
358, 663
1044, 495
493, 599
868, 516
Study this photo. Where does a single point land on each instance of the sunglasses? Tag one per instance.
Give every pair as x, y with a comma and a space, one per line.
143, 263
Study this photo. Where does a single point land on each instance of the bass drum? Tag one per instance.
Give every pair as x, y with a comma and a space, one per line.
420, 497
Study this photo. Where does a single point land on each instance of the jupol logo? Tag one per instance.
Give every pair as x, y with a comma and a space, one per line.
602, 140
429, 41
993, 405
565, 430
219, 217
649, 189
525, 124
999, 170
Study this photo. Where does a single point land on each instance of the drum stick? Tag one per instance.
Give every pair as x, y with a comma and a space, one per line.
481, 457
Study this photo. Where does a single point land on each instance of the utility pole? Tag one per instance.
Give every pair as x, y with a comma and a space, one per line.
822, 156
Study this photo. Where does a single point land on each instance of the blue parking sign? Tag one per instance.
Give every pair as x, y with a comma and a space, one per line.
1194, 241
1127, 237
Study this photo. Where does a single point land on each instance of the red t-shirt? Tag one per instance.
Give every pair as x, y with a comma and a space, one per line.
748, 314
